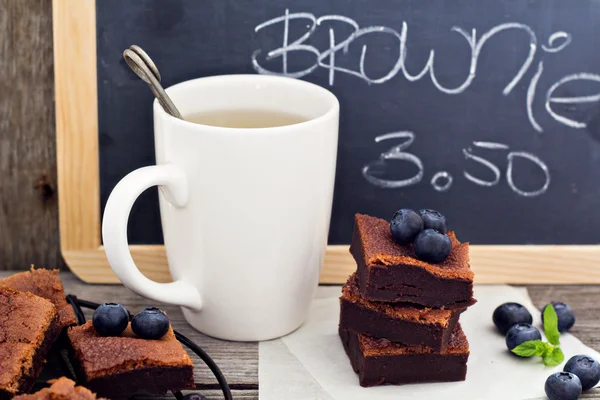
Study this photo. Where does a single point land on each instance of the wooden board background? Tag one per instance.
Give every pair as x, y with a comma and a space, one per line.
28, 191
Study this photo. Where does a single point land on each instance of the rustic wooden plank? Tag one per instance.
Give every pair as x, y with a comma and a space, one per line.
239, 361
583, 299
210, 395
28, 191
585, 302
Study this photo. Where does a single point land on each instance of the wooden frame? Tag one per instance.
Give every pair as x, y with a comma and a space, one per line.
79, 187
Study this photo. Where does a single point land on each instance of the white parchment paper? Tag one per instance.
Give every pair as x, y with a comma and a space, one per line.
311, 363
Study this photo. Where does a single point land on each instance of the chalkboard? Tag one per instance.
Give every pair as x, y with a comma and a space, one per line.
486, 110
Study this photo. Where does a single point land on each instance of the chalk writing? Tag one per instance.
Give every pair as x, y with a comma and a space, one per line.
326, 58
481, 182
509, 169
442, 180
528, 156
440, 176
394, 153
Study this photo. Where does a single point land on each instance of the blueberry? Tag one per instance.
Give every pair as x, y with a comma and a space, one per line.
433, 220
520, 333
110, 319
509, 314
563, 386
586, 368
150, 323
194, 396
405, 226
566, 317
432, 246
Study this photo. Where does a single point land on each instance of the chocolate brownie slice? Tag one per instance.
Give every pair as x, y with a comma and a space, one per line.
47, 284
28, 327
379, 361
61, 389
399, 322
391, 272
119, 366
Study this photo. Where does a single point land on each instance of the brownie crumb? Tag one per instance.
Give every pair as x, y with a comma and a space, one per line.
61, 389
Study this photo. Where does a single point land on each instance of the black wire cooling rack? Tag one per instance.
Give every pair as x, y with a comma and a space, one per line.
78, 304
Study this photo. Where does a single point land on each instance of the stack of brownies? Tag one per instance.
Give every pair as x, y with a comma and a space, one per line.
399, 314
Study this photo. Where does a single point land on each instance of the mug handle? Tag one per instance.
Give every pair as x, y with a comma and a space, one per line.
173, 183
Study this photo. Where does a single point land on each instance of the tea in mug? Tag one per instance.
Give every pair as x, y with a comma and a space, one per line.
245, 118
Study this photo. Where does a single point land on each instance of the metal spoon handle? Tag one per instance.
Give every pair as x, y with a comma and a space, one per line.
143, 66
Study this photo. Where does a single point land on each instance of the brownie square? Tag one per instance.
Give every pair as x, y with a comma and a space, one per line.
392, 273
120, 366
47, 284
28, 327
379, 361
61, 389
399, 322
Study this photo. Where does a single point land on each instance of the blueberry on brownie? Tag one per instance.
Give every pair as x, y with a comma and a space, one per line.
150, 323
110, 319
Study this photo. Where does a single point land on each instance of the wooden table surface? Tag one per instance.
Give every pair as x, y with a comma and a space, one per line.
239, 361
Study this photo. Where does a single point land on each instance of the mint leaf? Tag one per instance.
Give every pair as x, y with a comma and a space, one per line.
548, 348
554, 358
531, 348
551, 325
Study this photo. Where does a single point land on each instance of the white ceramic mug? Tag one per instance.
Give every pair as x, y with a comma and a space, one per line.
245, 212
